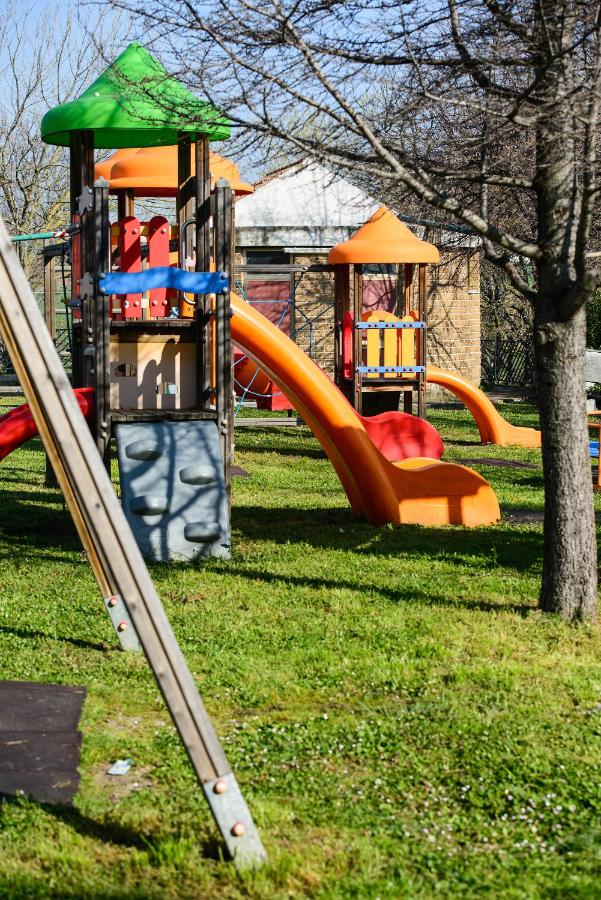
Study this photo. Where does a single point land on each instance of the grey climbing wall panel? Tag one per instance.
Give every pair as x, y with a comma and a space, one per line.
173, 490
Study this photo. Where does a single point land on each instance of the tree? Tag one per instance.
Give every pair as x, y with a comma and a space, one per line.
487, 110
45, 59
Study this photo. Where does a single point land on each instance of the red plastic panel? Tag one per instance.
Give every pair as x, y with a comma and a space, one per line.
131, 261
158, 255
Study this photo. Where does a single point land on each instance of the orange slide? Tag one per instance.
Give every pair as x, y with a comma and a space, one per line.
493, 428
419, 491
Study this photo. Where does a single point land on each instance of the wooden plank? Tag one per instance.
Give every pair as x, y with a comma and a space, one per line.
112, 550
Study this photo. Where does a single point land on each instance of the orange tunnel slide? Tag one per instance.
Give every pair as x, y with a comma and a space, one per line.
420, 491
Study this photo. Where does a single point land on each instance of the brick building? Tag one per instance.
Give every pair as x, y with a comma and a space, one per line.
290, 222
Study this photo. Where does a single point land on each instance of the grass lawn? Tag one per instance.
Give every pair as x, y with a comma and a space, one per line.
402, 720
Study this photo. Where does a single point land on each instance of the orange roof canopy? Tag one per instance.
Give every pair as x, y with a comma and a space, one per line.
152, 171
384, 239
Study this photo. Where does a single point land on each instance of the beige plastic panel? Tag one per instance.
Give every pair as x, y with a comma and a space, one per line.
159, 368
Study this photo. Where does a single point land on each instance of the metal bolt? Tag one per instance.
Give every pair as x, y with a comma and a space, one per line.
112, 601
122, 626
220, 787
238, 829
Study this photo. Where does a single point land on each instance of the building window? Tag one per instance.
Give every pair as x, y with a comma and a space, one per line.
267, 258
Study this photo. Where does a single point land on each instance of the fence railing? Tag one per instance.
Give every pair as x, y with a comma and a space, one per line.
507, 363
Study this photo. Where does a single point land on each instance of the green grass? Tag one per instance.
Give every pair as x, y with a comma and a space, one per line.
402, 720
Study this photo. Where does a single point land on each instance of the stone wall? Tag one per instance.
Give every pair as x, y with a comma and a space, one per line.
454, 313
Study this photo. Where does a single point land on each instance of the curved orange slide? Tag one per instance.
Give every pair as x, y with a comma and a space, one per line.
17, 426
418, 491
493, 428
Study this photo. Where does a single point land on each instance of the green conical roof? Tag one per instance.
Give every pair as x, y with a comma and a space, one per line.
135, 103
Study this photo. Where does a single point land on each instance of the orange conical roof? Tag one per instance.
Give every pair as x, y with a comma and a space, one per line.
152, 172
383, 239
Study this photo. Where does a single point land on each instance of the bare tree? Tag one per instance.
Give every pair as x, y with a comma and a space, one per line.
45, 59
487, 110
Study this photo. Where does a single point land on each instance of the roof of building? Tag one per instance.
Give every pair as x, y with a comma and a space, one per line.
304, 194
134, 103
152, 171
384, 239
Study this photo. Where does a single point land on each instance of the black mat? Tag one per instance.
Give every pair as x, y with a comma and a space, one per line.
39, 740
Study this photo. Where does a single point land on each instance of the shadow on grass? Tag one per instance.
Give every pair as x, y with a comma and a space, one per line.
394, 595
111, 832
26, 634
336, 529
311, 451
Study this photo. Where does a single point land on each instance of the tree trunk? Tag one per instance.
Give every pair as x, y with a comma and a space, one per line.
569, 581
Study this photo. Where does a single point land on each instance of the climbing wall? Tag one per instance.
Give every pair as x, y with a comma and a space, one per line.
173, 490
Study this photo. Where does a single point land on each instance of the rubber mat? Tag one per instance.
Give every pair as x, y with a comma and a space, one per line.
39, 741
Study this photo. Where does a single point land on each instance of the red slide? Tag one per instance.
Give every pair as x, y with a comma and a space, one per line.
18, 426
398, 435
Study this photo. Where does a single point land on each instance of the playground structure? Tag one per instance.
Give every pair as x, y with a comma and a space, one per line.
382, 337
381, 353
153, 357
152, 369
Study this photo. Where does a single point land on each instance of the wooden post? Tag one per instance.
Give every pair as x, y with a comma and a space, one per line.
202, 245
125, 203
407, 289
185, 209
423, 337
101, 308
223, 228
50, 294
341, 306
82, 176
357, 337
407, 303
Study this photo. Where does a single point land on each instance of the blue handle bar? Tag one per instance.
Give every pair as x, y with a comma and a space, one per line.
164, 277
